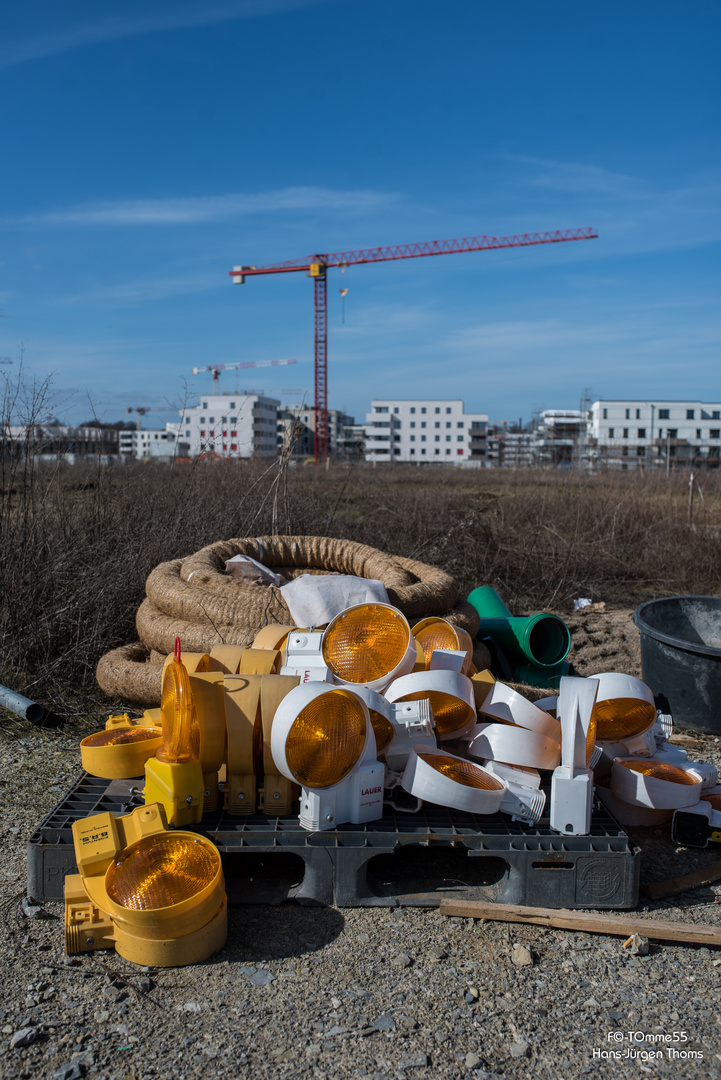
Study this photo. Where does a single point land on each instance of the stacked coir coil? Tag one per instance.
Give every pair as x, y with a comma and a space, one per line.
196, 600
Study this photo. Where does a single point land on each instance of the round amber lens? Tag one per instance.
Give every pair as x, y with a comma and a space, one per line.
365, 643
463, 772
382, 729
326, 740
618, 718
659, 770
121, 736
176, 708
437, 635
449, 713
160, 871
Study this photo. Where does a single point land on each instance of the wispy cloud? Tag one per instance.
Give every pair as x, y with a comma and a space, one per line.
130, 24
569, 177
208, 208
161, 288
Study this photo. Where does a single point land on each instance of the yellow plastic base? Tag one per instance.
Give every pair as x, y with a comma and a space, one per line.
178, 787
174, 952
121, 761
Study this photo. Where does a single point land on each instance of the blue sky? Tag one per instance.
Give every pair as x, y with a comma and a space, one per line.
148, 146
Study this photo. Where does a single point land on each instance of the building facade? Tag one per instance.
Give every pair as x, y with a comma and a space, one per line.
296, 426
425, 432
229, 426
151, 445
629, 434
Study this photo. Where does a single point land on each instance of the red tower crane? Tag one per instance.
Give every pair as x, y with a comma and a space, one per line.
316, 266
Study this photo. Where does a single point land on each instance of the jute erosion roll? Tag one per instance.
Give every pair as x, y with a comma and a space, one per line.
196, 600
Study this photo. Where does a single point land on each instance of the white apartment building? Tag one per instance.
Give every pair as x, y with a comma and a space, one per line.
229, 425
626, 434
297, 422
425, 432
148, 445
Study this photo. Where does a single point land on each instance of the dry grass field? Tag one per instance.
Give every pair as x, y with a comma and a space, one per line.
78, 542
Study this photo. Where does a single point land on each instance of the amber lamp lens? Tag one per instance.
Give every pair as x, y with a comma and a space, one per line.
449, 713
160, 871
463, 772
441, 634
659, 770
176, 709
591, 737
122, 736
326, 739
382, 729
619, 718
365, 643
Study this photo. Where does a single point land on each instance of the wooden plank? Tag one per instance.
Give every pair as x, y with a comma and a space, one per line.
673, 886
623, 925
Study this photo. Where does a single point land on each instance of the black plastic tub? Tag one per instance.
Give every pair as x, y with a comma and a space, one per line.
681, 657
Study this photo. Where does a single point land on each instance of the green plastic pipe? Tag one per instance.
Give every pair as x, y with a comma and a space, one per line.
542, 640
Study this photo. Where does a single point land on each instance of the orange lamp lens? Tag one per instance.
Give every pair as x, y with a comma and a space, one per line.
326, 739
382, 729
463, 772
449, 713
619, 718
176, 709
658, 769
591, 737
160, 871
365, 643
440, 634
122, 736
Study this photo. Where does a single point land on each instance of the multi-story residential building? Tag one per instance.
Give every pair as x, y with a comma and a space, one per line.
229, 425
297, 423
53, 441
150, 445
626, 434
424, 432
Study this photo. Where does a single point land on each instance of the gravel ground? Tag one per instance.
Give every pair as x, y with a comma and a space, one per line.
359, 993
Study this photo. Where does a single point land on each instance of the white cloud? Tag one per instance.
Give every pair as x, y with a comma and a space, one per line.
128, 25
208, 208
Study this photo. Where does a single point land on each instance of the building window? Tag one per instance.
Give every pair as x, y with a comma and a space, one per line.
423, 408
459, 451
381, 408
234, 434
698, 432
413, 438
610, 432
672, 433
423, 450
448, 438
437, 451
459, 423
437, 411
423, 438
187, 434
211, 419
628, 414
413, 449
460, 438
689, 414
202, 434
212, 434
423, 423
605, 414
638, 414
233, 446
664, 414
448, 450
625, 433
232, 404
225, 434
716, 415
413, 423
640, 451
225, 446
224, 419
642, 433
437, 438
413, 408
624, 452
437, 425
395, 409
448, 412
448, 424
714, 433
205, 404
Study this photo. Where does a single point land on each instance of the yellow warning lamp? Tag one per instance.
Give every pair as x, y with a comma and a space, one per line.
449, 693
654, 784
157, 895
322, 738
174, 777
436, 776
436, 633
625, 708
369, 645
120, 752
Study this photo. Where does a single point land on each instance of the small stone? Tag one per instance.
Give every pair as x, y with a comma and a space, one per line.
384, 1023
402, 960
115, 994
363, 938
71, 961
637, 945
73, 1070
84, 1058
435, 955
23, 1037
34, 911
472, 1060
312, 1051
414, 1061
260, 978
336, 1002
145, 984
101, 1016
521, 955
519, 1049
190, 1006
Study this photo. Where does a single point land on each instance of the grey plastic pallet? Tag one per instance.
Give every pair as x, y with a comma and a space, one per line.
410, 859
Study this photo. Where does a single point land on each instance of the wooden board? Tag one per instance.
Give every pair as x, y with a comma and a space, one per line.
673, 886
623, 925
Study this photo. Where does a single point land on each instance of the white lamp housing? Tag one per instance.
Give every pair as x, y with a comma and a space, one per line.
411, 722
663, 728
640, 746
440, 681
435, 776
572, 781
645, 789
523, 799
304, 657
513, 746
404, 665
626, 813
447, 660
358, 796
507, 705
703, 770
